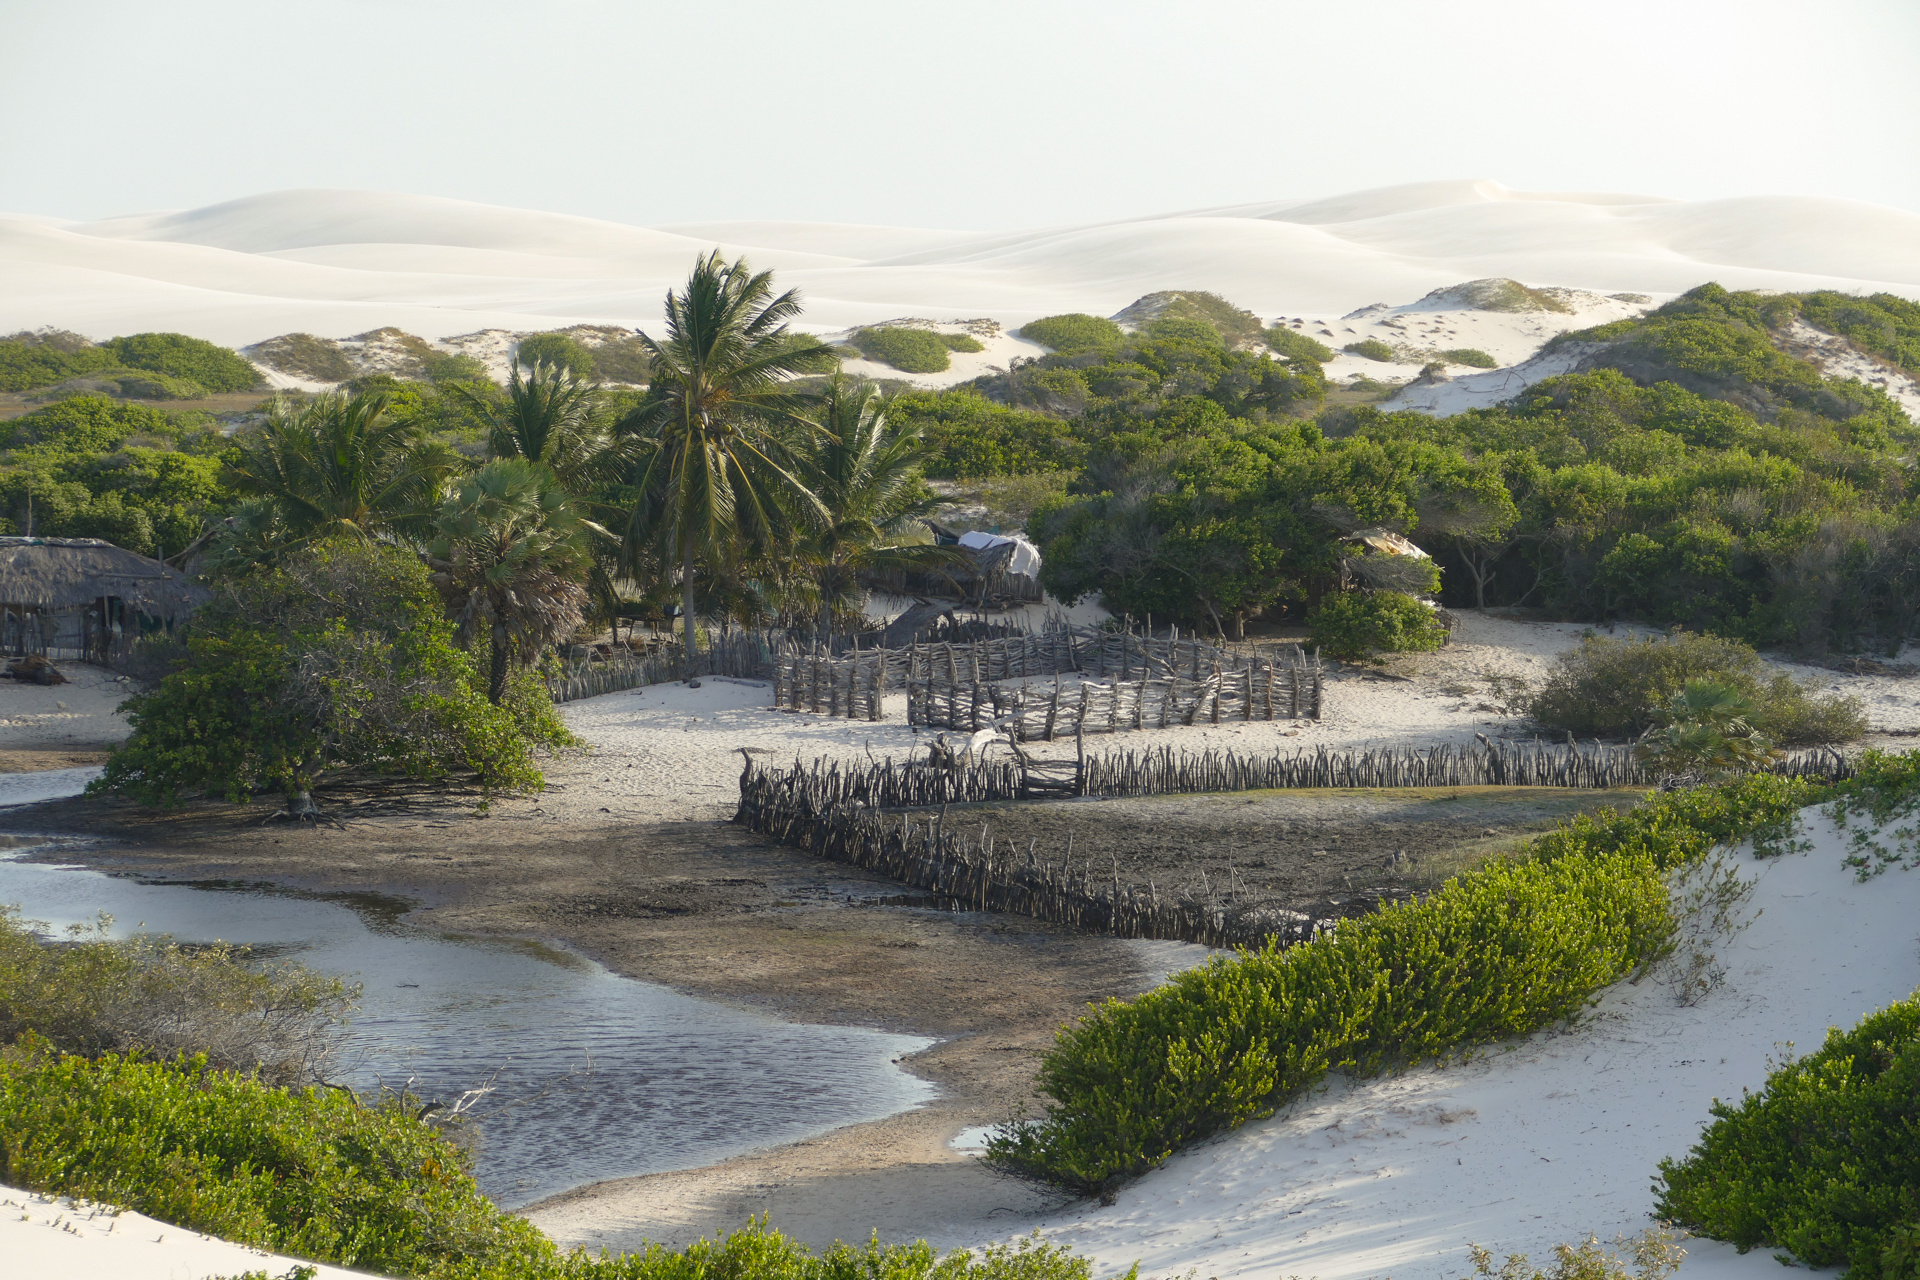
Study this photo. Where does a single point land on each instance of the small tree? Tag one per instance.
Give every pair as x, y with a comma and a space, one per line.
339, 657
1705, 728
1356, 625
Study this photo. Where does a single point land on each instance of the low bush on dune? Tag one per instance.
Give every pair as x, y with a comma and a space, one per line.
1371, 348
1292, 343
1823, 1162
908, 350
1495, 953
319, 1174
1472, 357
1613, 688
1075, 331
965, 343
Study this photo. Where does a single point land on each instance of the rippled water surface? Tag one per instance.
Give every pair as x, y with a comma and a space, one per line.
619, 1077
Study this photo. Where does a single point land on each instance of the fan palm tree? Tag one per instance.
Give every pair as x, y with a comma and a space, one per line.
508, 551
340, 465
867, 478
718, 469
547, 418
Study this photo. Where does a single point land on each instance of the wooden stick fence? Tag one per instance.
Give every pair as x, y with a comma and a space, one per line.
979, 874
839, 811
1156, 680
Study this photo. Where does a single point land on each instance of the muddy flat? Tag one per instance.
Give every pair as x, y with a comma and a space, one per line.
1326, 851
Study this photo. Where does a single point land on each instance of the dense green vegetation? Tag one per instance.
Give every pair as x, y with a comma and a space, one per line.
90, 467
555, 349
178, 367
1472, 357
1496, 952
1823, 1162
1234, 326
1696, 473
908, 350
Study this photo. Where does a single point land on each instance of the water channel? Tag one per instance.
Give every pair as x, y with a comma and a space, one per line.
607, 1077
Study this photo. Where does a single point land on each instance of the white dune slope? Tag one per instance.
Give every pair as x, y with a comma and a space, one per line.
335, 263
1540, 1143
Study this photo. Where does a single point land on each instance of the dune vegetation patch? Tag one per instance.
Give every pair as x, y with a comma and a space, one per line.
908, 350
302, 355
1076, 331
1472, 357
1237, 328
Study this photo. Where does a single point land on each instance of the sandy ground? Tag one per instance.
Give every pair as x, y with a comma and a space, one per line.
63, 725
42, 1239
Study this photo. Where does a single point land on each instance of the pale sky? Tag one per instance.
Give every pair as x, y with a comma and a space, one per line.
969, 114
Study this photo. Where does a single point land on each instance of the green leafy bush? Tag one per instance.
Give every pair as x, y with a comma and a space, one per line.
1354, 625
908, 350
90, 994
1371, 348
305, 356
1293, 343
962, 342
1618, 688
1075, 331
556, 349
339, 656
1472, 357
319, 1174
1823, 1162
175, 354
973, 437
1496, 952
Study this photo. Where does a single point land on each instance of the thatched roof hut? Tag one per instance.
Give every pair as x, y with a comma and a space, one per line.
57, 574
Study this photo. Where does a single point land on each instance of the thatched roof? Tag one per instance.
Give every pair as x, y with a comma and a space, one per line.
69, 573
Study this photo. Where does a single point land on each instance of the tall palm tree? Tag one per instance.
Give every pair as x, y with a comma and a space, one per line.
339, 465
508, 551
867, 477
718, 470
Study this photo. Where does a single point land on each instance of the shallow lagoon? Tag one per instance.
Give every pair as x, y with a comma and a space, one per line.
595, 1076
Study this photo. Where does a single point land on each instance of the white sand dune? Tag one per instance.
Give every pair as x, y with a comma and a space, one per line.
336, 263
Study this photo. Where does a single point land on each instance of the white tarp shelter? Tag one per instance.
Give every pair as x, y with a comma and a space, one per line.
1026, 556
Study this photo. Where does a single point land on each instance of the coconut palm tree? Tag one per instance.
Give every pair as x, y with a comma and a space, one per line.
340, 465
717, 424
547, 418
867, 478
508, 552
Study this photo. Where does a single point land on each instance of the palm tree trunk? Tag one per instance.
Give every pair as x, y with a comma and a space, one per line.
497, 667
690, 637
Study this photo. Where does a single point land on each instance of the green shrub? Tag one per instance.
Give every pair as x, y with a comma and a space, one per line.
962, 342
446, 367
1371, 348
1616, 688
1472, 357
1355, 625
90, 994
1297, 345
32, 360
305, 356
175, 354
908, 350
1075, 331
1497, 952
1823, 1162
341, 656
319, 1174
973, 437
557, 349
